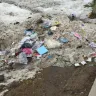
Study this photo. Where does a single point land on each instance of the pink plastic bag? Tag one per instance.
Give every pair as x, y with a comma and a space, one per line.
28, 51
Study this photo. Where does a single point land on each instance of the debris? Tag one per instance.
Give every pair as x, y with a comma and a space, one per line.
26, 45
34, 35
37, 44
93, 54
23, 58
50, 33
53, 28
56, 23
92, 44
89, 59
2, 52
83, 62
28, 32
77, 64
63, 40
42, 50
28, 51
77, 35
2, 78
39, 56
51, 43
23, 40
49, 57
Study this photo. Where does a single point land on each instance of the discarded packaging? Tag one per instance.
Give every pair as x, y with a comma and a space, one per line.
53, 28
63, 40
42, 50
89, 59
26, 45
23, 58
37, 44
83, 62
33, 35
77, 35
2, 52
28, 32
77, 64
92, 44
39, 56
23, 40
27, 51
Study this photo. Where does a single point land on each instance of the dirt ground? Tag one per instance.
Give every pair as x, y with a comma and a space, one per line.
56, 81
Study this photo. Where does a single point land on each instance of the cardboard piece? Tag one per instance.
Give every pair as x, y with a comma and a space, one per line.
42, 50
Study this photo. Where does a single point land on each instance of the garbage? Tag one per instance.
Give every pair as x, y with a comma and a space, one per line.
26, 45
51, 43
37, 44
89, 59
2, 52
77, 35
77, 64
92, 44
83, 62
93, 54
39, 56
49, 57
42, 50
53, 28
23, 58
28, 51
28, 32
63, 40
33, 35
50, 33
23, 40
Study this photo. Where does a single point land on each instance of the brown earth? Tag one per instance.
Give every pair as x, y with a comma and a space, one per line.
56, 81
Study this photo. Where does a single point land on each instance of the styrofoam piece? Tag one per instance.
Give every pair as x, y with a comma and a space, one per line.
83, 62
89, 59
77, 64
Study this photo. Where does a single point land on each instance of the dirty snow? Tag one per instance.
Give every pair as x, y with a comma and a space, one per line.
11, 13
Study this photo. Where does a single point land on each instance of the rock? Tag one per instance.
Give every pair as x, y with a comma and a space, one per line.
2, 78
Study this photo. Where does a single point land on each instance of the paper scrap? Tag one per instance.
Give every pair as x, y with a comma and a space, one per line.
83, 62
89, 59
77, 64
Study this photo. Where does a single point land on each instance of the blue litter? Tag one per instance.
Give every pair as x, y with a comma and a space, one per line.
63, 40
49, 57
28, 31
42, 50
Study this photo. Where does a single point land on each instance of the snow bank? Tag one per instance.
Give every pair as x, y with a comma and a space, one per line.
68, 7
10, 13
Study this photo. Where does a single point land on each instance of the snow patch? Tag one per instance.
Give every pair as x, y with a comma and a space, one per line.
10, 13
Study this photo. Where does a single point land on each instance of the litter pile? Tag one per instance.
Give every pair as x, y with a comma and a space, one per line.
52, 42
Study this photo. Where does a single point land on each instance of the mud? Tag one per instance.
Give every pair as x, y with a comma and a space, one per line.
56, 81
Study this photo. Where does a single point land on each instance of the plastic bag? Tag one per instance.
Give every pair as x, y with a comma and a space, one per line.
23, 58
